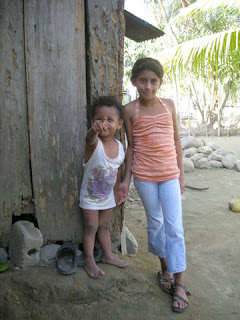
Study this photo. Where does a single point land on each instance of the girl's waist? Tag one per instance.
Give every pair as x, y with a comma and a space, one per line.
157, 174
151, 150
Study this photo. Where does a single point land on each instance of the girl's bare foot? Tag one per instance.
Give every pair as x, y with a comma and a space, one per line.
115, 261
93, 270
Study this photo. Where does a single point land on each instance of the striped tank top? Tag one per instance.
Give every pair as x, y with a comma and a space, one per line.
154, 152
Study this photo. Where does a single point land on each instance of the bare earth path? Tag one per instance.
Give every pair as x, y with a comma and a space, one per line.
213, 257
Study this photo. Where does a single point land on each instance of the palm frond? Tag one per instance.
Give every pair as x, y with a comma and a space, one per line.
205, 54
207, 6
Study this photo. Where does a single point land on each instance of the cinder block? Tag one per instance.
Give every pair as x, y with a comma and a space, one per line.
25, 244
48, 254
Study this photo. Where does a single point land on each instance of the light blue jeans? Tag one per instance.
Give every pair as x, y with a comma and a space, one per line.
163, 206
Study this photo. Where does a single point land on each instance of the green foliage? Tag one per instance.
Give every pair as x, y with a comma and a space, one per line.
217, 48
200, 50
3, 267
218, 54
135, 50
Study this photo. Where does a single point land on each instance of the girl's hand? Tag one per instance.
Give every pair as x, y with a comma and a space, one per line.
182, 184
99, 126
121, 193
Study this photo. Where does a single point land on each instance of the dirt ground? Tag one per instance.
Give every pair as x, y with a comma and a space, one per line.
212, 276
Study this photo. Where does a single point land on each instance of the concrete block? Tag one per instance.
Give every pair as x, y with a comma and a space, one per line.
48, 254
25, 244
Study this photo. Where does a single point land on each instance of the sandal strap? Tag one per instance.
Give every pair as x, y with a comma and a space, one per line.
163, 279
177, 284
176, 297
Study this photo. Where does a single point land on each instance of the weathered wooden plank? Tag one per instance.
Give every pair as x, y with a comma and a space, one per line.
106, 37
55, 59
106, 29
15, 182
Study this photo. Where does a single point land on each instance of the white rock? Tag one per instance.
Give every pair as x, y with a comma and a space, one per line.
205, 150
188, 142
188, 153
131, 243
197, 157
237, 164
229, 161
188, 165
204, 155
212, 145
202, 164
217, 157
216, 164
223, 152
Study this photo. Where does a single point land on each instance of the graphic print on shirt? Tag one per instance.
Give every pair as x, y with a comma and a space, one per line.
101, 183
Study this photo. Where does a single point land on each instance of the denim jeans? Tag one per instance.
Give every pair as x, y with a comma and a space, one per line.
163, 206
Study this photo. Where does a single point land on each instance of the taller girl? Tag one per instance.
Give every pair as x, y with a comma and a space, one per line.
154, 158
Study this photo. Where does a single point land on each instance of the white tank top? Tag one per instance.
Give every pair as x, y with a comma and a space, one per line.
100, 174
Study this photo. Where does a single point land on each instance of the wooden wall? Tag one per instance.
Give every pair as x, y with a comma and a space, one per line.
15, 177
55, 56
56, 91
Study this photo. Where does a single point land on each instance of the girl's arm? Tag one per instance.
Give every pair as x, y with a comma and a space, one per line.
177, 145
124, 185
115, 189
92, 139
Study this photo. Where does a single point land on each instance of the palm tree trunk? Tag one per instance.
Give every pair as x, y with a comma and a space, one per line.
223, 104
196, 100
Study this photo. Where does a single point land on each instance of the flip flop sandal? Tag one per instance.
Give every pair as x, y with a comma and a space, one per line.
176, 297
97, 254
66, 258
162, 279
177, 284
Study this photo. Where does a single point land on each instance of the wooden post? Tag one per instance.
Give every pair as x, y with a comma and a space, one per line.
105, 33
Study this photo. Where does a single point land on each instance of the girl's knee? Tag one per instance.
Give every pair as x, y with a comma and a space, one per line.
175, 232
90, 228
104, 222
104, 227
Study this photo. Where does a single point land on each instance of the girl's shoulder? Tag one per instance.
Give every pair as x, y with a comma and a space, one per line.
129, 109
169, 103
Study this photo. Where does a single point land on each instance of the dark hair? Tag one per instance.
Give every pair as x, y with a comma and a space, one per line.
103, 101
147, 64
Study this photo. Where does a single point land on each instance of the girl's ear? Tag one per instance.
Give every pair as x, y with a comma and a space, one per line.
120, 123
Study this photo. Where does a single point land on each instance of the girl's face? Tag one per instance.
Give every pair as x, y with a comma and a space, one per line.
147, 84
107, 121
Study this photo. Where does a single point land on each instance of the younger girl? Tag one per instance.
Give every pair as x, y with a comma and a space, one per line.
103, 158
154, 157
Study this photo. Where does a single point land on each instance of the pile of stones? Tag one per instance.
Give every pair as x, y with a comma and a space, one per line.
198, 154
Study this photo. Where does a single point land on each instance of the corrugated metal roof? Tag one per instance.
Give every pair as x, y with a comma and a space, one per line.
140, 30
